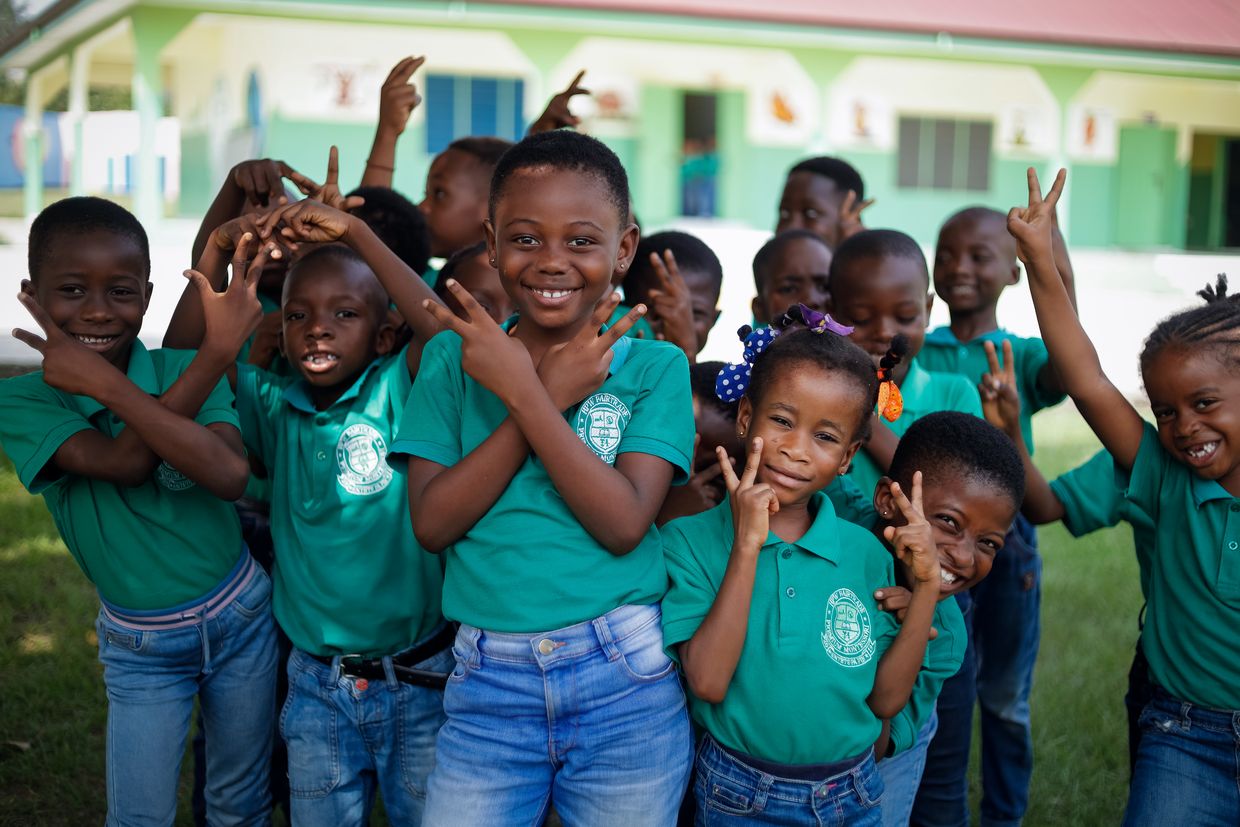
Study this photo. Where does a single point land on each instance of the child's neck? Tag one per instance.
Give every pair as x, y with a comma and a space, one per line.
968, 326
539, 340
791, 521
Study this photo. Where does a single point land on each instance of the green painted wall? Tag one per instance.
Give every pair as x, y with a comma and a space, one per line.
198, 185
1091, 204
656, 171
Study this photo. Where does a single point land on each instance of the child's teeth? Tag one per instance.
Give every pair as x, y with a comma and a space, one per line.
553, 294
947, 576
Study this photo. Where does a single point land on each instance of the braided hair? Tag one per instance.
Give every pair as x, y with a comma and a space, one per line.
1216, 324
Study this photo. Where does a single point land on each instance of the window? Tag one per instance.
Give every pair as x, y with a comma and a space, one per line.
942, 154
458, 105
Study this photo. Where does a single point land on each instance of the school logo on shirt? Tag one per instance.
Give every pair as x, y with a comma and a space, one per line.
361, 460
171, 478
601, 421
846, 634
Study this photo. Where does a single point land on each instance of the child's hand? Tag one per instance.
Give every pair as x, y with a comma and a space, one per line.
702, 492
557, 114
309, 221
1031, 226
672, 303
752, 503
914, 542
494, 359
68, 365
896, 599
573, 370
398, 97
850, 215
1000, 397
231, 316
329, 193
268, 340
261, 180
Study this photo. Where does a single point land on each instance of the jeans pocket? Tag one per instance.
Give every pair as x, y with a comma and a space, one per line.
869, 784
420, 717
112, 636
254, 598
309, 726
723, 795
642, 656
1156, 720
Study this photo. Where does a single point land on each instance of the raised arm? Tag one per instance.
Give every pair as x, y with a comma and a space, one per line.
398, 97
251, 185
557, 114
1111, 416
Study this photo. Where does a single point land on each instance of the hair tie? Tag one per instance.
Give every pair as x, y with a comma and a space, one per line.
733, 378
890, 400
822, 322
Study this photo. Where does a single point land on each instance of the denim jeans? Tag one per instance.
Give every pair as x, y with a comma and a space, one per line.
228, 661
591, 717
902, 775
1138, 695
943, 796
346, 735
729, 791
1186, 766
1007, 628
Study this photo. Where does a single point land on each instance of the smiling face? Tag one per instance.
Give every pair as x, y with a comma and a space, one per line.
811, 202
96, 289
808, 419
456, 201
1195, 397
798, 273
974, 261
969, 517
335, 324
557, 238
881, 297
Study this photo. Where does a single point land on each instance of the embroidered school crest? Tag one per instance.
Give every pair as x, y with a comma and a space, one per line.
361, 460
171, 478
601, 421
846, 633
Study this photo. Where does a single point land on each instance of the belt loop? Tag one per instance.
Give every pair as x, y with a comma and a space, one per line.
1185, 709
205, 634
603, 630
333, 676
389, 673
474, 636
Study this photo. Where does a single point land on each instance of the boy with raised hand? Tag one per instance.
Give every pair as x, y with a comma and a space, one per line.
353, 591
825, 196
137, 453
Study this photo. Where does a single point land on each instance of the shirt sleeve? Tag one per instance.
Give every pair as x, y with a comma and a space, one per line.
963, 397
1149, 470
691, 592
944, 655
662, 418
1032, 357
430, 426
851, 503
260, 396
1091, 495
35, 420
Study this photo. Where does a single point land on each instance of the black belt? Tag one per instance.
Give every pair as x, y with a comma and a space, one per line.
403, 664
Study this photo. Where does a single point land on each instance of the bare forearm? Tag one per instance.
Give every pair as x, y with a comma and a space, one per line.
187, 326
228, 204
405, 287
381, 163
898, 668
1040, 506
710, 657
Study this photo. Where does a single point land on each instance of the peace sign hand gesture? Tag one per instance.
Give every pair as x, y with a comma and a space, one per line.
398, 97
753, 503
673, 304
850, 215
1000, 397
232, 315
557, 114
1031, 226
329, 193
914, 542
68, 365
577, 368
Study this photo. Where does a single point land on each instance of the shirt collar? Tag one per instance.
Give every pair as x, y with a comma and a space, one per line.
823, 537
141, 372
298, 395
944, 336
916, 381
1205, 491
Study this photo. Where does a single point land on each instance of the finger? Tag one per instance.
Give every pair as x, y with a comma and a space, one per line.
866, 204
992, 358
725, 469
1035, 189
752, 461
1009, 363
401, 71
28, 338
305, 184
333, 167
602, 311
200, 282
621, 327
475, 312
660, 271
573, 88
446, 317
850, 198
37, 313
255, 270
353, 202
241, 254
672, 269
902, 502
710, 472
918, 502
1052, 197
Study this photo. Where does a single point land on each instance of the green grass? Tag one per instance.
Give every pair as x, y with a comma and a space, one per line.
51, 688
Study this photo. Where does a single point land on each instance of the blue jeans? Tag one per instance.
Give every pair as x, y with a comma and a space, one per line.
943, 797
730, 791
902, 775
1007, 628
346, 735
591, 716
1186, 766
152, 677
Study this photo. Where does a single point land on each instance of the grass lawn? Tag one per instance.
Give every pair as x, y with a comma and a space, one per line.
52, 707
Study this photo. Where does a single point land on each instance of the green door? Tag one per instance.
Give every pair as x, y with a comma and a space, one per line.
1145, 187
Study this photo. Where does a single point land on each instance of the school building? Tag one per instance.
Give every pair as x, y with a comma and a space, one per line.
707, 102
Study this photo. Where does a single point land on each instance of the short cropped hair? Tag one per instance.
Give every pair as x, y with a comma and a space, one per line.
764, 259
448, 271
691, 254
844, 174
77, 216
951, 442
872, 244
487, 150
564, 149
342, 256
702, 377
398, 223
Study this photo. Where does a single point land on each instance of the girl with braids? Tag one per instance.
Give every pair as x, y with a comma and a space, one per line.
791, 666
1184, 472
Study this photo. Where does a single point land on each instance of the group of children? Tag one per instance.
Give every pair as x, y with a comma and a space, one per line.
526, 553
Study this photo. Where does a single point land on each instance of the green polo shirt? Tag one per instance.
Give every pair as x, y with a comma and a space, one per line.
944, 655
924, 393
851, 503
1193, 614
152, 546
1092, 496
349, 578
528, 565
944, 353
814, 641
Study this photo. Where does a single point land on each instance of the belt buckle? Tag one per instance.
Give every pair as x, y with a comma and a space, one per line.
349, 669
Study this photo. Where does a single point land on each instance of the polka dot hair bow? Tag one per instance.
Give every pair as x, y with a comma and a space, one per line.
733, 380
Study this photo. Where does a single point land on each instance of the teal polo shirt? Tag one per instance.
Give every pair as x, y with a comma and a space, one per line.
944, 353
924, 393
157, 545
349, 578
528, 565
1192, 620
851, 503
814, 640
1092, 496
944, 655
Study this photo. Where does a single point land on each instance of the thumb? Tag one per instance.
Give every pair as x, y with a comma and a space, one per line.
200, 282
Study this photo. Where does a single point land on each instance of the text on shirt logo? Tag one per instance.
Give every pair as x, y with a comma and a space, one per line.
361, 460
846, 631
